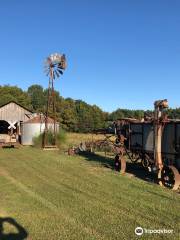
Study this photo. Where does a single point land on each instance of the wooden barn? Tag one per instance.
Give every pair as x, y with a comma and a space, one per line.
19, 125
12, 116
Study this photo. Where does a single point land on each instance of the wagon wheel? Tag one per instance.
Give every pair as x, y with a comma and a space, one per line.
134, 156
170, 177
146, 161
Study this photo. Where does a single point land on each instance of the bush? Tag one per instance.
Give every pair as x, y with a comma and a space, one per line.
60, 139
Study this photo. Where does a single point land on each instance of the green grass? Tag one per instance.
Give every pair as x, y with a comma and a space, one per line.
54, 196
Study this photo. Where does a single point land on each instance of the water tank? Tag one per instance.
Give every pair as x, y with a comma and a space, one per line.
34, 127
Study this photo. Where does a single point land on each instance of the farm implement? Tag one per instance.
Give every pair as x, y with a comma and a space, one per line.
155, 142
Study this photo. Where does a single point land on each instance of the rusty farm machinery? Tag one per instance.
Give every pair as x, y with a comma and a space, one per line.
155, 142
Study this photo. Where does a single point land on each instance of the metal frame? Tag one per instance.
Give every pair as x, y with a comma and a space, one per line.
54, 66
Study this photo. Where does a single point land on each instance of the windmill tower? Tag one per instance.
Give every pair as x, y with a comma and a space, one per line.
55, 64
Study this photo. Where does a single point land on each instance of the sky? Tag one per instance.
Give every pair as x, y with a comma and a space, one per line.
120, 54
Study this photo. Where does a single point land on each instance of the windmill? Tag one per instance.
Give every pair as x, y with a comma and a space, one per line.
55, 64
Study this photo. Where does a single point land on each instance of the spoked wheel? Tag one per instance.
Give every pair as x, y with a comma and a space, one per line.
120, 164
146, 161
170, 177
134, 157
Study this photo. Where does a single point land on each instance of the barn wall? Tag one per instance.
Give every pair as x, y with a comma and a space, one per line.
13, 112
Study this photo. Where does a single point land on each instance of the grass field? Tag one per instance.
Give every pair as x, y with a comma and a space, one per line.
74, 139
54, 196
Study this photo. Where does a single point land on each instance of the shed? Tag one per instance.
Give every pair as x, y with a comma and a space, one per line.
12, 115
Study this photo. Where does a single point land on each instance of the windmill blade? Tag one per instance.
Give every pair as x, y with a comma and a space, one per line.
46, 70
46, 67
55, 63
47, 73
57, 74
60, 71
48, 60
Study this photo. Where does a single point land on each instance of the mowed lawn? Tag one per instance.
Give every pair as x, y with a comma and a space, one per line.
54, 196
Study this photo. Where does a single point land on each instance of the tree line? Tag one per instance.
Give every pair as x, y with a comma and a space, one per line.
73, 115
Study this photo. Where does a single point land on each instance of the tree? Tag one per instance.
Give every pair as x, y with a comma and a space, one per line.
13, 93
37, 96
73, 115
68, 115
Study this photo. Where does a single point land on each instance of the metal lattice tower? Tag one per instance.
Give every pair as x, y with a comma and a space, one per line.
54, 66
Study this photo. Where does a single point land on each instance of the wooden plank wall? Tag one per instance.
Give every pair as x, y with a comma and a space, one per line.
14, 113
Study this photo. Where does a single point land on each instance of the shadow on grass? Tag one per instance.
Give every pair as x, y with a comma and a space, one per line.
19, 234
100, 160
135, 169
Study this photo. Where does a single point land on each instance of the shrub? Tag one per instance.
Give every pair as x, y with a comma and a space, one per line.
60, 138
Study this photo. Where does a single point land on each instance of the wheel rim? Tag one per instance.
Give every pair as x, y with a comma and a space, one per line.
170, 177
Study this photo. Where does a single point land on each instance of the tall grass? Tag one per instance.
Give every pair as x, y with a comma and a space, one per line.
60, 139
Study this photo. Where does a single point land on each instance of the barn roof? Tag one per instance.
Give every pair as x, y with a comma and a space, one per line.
16, 104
